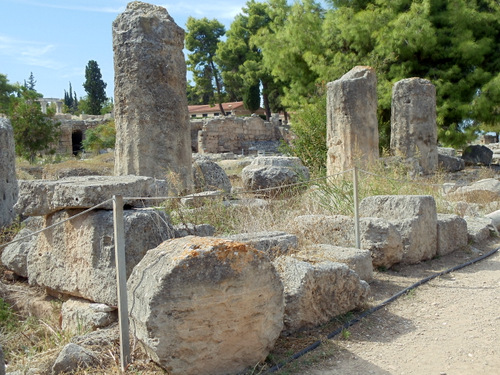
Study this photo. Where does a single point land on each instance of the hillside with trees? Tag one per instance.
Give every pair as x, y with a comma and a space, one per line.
291, 51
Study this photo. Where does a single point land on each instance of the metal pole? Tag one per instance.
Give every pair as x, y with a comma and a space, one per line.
356, 208
121, 280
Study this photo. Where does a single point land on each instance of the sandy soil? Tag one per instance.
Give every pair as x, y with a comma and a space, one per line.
450, 325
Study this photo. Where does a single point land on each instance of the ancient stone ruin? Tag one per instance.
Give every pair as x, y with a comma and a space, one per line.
73, 130
151, 115
413, 122
77, 258
8, 180
199, 308
236, 134
352, 126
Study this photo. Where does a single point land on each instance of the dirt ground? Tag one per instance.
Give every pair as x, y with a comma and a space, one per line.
447, 326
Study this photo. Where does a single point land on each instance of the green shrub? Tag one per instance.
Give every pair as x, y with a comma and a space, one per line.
309, 128
100, 138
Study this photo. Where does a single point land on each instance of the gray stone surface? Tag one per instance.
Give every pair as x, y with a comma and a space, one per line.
315, 293
352, 125
481, 191
43, 197
200, 199
189, 229
451, 234
413, 122
205, 305
383, 240
477, 154
356, 259
480, 228
78, 257
414, 216
8, 179
15, 255
377, 235
450, 163
79, 316
237, 135
273, 172
495, 218
151, 114
72, 357
273, 243
208, 175
448, 151
334, 230
108, 336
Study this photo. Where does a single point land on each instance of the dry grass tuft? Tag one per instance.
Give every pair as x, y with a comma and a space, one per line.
30, 342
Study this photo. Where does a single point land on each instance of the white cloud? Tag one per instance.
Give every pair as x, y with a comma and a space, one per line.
226, 10
73, 72
29, 52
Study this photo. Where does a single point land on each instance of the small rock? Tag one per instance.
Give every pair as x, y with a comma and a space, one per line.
71, 357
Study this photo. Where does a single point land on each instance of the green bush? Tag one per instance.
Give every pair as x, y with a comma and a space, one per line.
100, 138
309, 128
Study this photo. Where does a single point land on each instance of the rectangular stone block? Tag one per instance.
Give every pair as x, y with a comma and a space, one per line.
451, 233
414, 216
78, 257
43, 197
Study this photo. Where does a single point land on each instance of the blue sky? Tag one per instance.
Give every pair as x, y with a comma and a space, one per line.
55, 39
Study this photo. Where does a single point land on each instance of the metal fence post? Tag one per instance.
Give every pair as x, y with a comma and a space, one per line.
356, 208
121, 280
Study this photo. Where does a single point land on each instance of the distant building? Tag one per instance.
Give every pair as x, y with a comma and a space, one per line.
232, 108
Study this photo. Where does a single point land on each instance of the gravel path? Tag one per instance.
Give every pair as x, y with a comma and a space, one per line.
450, 325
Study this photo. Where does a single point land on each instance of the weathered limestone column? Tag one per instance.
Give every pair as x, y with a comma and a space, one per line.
59, 107
352, 126
413, 122
8, 182
151, 114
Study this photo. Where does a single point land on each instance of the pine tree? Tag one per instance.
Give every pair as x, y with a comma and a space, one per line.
201, 40
30, 85
95, 88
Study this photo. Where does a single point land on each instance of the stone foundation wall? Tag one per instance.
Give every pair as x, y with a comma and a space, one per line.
71, 124
231, 134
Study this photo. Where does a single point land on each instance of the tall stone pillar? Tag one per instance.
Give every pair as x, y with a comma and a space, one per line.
352, 126
59, 107
413, 122
8, 181
151, 114
43, 104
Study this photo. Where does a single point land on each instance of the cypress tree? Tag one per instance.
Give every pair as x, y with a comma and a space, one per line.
95, 88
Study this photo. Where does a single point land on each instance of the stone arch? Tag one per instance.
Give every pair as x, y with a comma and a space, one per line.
76, 141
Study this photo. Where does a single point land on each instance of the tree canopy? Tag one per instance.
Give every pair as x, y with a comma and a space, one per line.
7, 93
296, 49
95, 88
201, 39
34, 131
70, 100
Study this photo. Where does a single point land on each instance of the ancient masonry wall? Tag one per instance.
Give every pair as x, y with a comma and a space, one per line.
231, 134
73, 130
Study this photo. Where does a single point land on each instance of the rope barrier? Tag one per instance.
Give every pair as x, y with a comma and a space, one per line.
401, 181
366, 313
250, 191
55, 224
301, 183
